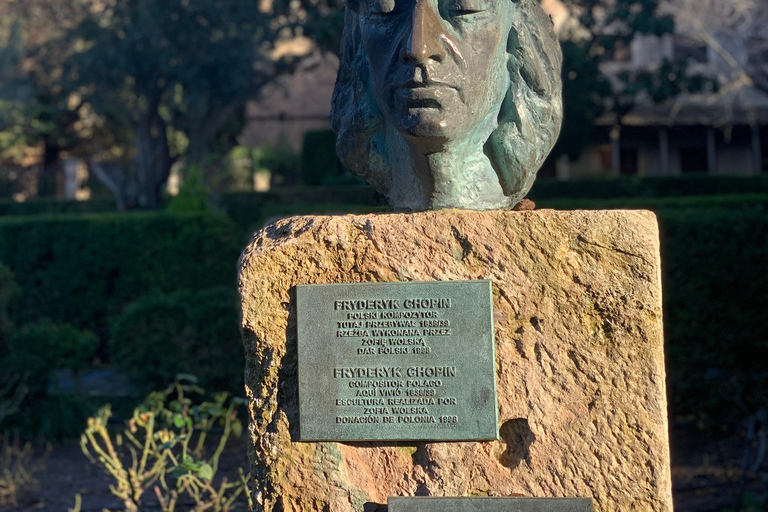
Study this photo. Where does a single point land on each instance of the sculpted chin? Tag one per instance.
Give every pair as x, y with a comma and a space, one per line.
447, 103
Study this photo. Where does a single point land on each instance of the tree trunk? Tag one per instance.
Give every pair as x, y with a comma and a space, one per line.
113, 177
152, 162
50, 182
202, 132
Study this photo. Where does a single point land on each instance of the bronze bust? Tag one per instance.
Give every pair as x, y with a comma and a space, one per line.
447, 103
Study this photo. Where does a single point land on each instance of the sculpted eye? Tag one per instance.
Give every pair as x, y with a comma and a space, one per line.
467, 7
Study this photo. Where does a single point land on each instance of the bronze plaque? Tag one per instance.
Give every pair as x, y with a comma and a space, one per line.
396, 361
489, 504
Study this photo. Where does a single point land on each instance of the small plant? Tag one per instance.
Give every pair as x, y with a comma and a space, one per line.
280, 160
194, 195
162, 450
17, 470
12, 393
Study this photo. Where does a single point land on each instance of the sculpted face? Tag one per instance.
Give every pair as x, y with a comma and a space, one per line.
438, 66
447, 103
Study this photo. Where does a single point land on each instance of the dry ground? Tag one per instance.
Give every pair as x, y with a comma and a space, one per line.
706, 473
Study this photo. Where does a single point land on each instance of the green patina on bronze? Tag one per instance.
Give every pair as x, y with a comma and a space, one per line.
489, 505
448, 103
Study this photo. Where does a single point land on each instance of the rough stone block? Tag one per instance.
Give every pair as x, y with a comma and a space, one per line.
579, 358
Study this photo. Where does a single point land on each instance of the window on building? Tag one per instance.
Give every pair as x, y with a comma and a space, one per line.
692, 51
548, 168
764, 154
606, 156
693, 159
629, 165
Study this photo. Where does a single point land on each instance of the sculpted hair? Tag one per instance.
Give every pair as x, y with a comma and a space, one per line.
528, 123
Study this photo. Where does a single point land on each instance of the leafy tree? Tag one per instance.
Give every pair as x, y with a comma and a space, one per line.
324, 20
584, 91
602, 29
34, 107
735, 31
174, 71
134, 85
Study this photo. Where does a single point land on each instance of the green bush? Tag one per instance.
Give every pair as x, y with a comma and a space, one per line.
648, 187
8, 289
716, 326
730, 202
283, 163
250, 209
194, 195
246, 209
318, 157
161, 335
52, 416
39, 349
85, 269
35, 352
56, 206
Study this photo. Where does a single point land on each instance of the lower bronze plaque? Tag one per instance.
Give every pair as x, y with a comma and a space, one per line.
396, 361
490, 505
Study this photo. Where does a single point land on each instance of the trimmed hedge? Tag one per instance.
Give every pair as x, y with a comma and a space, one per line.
730, 202
249, 210
85, 269
161, 335
648, 187
318, 157
715, 268
56, 206
39, 349
8, 290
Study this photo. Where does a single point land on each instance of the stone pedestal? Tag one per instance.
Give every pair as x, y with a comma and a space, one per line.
579, 358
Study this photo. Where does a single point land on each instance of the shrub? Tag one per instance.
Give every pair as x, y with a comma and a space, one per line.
648, 187
85, 269
318, 157
30, 403
8, 289
729, 202
13, 391
161, 335
250, 210
716, 327
48, 206
194, 194
166, 452
17, 470
39, 349
282, 162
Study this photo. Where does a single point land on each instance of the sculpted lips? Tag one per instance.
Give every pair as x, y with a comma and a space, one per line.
424, 95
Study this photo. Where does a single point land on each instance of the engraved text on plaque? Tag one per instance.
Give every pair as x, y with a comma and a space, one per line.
396, 361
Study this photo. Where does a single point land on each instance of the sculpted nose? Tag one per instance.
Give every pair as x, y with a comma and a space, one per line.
425, 39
